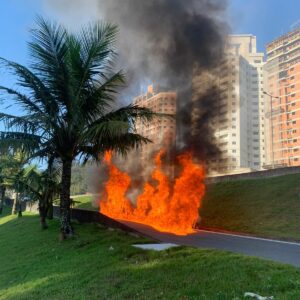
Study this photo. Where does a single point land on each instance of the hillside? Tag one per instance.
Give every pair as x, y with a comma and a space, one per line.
267, 207
102, 264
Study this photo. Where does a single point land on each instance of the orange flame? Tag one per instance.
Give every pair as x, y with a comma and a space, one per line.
169, 207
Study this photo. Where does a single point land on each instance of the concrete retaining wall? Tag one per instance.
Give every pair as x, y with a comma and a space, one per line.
88, 216
255, 175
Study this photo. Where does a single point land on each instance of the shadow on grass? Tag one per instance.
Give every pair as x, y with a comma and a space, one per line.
101, 264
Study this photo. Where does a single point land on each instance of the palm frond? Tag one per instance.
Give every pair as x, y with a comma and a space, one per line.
18, 141
49, 52
41, 99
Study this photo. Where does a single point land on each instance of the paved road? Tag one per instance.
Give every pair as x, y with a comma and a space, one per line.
285, 252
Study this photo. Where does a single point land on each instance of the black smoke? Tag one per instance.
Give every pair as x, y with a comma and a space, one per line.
168, 42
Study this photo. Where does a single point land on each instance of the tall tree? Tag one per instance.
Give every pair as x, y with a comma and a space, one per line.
68, 96
11, 169
42, 187
8, 167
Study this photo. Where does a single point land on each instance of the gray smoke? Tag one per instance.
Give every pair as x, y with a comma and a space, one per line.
166, 42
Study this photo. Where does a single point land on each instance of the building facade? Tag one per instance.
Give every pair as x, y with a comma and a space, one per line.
161, 131
282, 86
240, 119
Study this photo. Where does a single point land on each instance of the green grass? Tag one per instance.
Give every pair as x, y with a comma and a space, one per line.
35, 265
85, 202
267, 207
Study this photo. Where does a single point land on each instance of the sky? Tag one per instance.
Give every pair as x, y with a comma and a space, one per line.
267, 19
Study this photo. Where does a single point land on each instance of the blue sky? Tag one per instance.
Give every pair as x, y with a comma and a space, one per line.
267, 19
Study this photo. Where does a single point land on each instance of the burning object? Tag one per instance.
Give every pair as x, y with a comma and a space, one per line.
170, 206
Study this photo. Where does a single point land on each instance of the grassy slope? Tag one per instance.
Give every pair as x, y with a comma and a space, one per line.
85, 202
34, 265
268, 207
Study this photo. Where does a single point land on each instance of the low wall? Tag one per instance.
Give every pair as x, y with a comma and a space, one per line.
89, 216
254, 175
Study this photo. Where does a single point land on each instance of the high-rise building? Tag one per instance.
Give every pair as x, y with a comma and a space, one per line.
282, 85
239, 121
161, 131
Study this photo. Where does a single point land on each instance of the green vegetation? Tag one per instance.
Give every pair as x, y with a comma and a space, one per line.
80, 179
68, 97
267, 207
42, 187
101, 264
85, 202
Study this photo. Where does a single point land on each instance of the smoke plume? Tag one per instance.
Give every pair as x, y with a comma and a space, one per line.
166, 42
173, 44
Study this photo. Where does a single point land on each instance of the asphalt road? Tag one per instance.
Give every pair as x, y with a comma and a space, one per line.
280, 251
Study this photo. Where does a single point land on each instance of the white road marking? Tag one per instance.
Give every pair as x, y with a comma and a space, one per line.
250, 237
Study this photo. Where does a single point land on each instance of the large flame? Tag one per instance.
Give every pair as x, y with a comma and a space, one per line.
166, 206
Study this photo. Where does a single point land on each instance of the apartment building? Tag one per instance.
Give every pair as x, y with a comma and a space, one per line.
282, 85
161, 131
240, 119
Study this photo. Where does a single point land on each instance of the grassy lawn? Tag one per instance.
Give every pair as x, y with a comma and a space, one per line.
85, 202
35, 265
267, 207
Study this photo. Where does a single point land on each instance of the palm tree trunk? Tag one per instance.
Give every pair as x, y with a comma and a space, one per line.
19, 202
50, 210
3, 189
15, 203
43, 215
65, 202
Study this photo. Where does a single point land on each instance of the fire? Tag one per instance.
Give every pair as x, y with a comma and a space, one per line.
167, 206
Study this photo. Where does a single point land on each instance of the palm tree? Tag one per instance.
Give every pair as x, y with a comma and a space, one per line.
41, 186
11, 169
68, 96
6, 168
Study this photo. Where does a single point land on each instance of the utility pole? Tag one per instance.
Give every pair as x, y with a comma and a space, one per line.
272, 127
